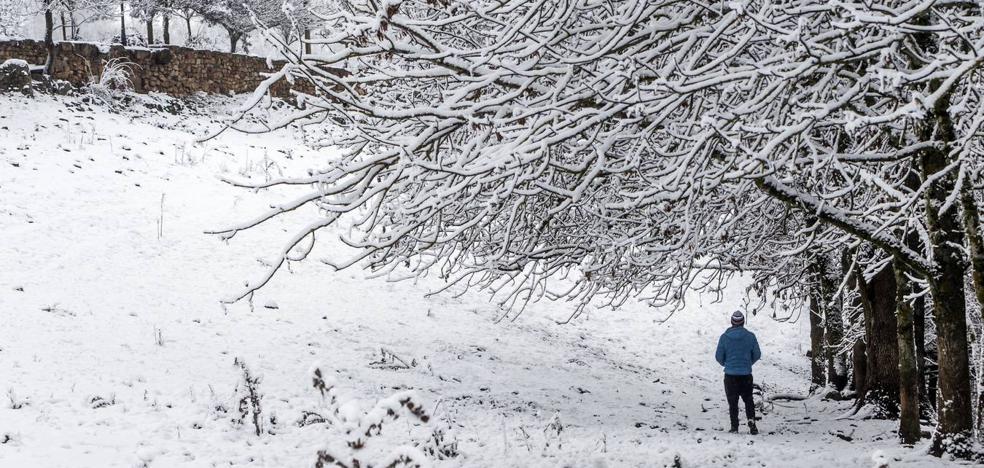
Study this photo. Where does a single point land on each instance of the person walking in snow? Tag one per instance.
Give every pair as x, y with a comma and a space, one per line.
737, 350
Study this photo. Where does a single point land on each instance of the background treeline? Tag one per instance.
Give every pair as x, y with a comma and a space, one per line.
230, 25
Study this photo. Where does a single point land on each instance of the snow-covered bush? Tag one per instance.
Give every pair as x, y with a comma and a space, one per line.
13, 16
354, 428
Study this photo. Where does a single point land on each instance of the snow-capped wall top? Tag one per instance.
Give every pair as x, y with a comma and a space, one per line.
169, 69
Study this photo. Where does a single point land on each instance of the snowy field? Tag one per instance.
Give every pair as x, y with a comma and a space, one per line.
115, 350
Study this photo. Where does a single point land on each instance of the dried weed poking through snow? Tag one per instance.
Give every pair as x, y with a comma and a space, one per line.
113, 82
356, 427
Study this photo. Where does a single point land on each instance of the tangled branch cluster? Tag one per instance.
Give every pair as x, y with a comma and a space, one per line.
619, 143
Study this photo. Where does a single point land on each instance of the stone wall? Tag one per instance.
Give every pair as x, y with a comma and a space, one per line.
31, 51
174, 70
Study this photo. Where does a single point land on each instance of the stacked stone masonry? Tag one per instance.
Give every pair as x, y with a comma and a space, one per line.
173, 70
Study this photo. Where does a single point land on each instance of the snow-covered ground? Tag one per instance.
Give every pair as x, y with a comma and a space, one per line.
115, 350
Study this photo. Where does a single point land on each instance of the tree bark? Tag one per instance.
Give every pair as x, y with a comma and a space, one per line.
167, 28
918, 307
954, 411
833, 323
64, 27
74, 26
859, 361
233, 41
908, 372
49, 41
123, 23
881, 387
150, 31
860, 364
975, 240
817, 356
954, 432
919, 334
188, 25
947, 286
307, 41
975, 243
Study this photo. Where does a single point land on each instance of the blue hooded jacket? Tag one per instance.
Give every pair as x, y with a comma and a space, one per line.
737, 350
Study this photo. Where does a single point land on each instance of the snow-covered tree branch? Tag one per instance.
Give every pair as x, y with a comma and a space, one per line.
635, 147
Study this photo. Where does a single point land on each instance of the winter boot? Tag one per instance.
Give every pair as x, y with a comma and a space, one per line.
752, 429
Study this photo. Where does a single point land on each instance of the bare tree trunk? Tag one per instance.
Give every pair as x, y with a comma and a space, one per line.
878, 301
123, 23
49, 41
947, 286
975, 242
74, 26
188, 25
307, 41
908, 372
919, 334
836, 361
822, 353
833, 323
954, 432
860, 364
167, 28
150, 30
64, 27
233, 40
918, 309
817, 357
955, 422
859, 360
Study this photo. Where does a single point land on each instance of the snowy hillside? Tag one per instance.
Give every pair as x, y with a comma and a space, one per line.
115, 350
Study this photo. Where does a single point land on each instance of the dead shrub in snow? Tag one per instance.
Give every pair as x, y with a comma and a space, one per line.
15, 401
97, 401
552, 433
357, 427
112, 83
440, 445
390, 360
249, 396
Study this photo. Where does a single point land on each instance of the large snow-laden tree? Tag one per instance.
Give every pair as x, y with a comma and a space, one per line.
74, 14
635, 144
289, 19
14, 14
147, 11
233, 16
284, 22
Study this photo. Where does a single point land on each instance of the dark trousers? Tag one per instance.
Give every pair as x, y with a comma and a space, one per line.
736, 386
